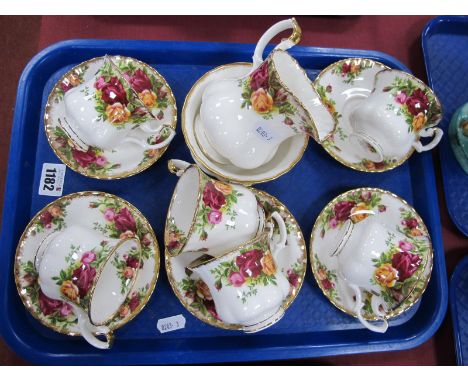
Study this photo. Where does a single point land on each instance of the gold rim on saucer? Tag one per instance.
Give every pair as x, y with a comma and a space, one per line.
25, 281
146, 162
270, 202
420, 284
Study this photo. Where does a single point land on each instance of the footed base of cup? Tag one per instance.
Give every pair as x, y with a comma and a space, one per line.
274, 318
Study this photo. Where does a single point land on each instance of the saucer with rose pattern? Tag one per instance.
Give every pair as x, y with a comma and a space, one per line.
114, 218
195, 295
402, 271
342, 86
146, 92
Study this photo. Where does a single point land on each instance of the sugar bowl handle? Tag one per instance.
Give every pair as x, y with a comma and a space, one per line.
177, 166
285, 44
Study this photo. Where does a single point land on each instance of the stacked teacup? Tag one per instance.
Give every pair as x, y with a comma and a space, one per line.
230, 235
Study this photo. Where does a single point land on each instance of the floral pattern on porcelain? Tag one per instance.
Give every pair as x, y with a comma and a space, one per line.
121, 224
337, 214
351, 69
217, 200
253, 266
132, 302
263, 92
52, 219
127, 269
93, 161
417, 105
70, 81
198, 296
327, 279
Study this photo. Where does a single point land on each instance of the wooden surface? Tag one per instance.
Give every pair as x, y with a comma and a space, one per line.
399, 36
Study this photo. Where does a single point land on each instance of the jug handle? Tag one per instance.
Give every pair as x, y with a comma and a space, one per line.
272, 32
177, 166
382, 328
281, 243
155, 146
429, 132
87, 330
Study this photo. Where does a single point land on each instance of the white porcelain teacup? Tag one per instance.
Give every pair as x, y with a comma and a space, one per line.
105, 111
90, 272
359, 249
399, 111
246, 119
246, 285
209, 215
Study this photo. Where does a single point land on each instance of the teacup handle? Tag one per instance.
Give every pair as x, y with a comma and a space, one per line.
429, 132
87, 330
281, 243
177, 166
375, 302
272, 32
155, 146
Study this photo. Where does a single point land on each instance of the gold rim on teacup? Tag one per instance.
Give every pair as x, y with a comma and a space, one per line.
203, 162
30, 228
48, 123
424, 276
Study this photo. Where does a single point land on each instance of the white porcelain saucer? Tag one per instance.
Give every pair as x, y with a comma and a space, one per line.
288, 154
111, 216
126, 159
342, 86
404, 284
195, 296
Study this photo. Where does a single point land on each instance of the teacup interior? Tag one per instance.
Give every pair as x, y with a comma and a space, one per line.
295, 78
185, 199
114, 282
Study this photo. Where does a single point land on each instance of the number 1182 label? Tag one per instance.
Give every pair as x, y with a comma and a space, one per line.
52, 178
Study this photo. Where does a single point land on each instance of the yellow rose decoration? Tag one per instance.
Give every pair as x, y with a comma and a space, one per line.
55, 211
419, 121
268, 264
203, 291
74, 79
117, 113
148, 97
355, 68
262, 102
70, 290
225, 188
386, 275
330, 107
359, 207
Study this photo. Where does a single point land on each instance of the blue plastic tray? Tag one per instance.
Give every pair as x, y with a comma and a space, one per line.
312, 327
459, 310
445, 46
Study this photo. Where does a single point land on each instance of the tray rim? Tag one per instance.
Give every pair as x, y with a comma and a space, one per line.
429, 30
461, 266
11, 199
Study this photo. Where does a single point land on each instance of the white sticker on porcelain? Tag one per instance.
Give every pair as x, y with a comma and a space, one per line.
264, 133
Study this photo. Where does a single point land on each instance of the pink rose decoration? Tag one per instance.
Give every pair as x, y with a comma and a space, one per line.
139, 81
145, 241
83, 278
259, 78
215, 217
343, 210
236, 279
124, 221
134, 301
84, 159
109, 214
212, 197
333, 223
346, 68
418, 102
65, 86
65, 310
101, 161
405, 246
133, 262
327, 284
88, 257
401, 98
366, 196
249, 263
406, 264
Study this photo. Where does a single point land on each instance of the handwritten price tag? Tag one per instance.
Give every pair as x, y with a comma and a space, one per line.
170, 324
52, 178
